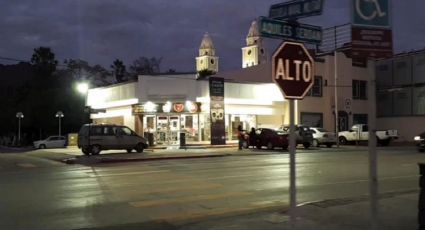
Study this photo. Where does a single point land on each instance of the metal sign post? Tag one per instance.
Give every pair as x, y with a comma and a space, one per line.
373, 161
292, 170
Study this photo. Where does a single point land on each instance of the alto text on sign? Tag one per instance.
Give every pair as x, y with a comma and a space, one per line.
302, 70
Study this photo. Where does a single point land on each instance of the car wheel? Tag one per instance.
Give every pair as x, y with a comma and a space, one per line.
342, 140
140, 147
129, 150
95, 149
315, 143
306, 145
270, 145
42, 146
86, 151
329, 145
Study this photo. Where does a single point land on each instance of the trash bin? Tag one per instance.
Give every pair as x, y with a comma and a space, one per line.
182, 139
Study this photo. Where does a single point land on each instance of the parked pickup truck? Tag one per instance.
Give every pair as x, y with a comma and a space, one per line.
360, 132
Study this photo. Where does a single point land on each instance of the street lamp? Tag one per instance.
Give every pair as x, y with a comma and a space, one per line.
19, 115
82, 87
59, 115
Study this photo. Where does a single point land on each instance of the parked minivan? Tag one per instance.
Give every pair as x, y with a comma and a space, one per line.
94, 138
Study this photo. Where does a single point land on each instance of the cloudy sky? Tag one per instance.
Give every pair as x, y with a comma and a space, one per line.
100, 31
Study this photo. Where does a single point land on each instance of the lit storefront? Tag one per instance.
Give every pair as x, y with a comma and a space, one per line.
183, 106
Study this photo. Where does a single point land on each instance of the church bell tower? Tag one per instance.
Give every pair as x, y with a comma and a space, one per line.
253, 53
206, 59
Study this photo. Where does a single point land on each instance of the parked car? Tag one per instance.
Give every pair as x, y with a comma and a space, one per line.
304, 135
50, 142
271, 139
420, 142
360, 132
94, 138
322, 136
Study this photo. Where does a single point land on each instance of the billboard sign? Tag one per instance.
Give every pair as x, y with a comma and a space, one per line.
218, 132
371, 13
371, 42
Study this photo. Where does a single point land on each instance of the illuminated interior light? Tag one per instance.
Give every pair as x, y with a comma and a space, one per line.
167, 107
150, 106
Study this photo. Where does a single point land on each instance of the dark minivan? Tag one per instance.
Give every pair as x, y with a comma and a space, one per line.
94, 138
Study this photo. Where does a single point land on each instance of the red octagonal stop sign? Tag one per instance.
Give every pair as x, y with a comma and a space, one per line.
293, 70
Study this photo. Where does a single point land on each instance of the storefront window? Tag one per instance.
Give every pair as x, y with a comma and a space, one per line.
189, 125
205, 128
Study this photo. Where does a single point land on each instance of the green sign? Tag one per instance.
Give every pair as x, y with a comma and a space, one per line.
290, 30
296, 9
371, 13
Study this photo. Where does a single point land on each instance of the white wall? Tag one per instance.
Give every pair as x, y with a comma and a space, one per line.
112, 96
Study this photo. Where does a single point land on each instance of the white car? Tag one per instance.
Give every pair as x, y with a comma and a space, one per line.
50, 142
323, 137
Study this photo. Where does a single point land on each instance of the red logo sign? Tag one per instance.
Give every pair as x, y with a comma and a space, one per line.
178, 107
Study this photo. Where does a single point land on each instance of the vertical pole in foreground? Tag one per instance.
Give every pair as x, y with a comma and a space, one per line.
292, 151
336, 90
59, 125
19, 130
373, 172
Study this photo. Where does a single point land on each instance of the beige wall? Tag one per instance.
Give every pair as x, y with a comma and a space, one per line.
346, 73
269, 121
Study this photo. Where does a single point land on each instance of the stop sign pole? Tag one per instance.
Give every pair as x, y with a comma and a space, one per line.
293, 72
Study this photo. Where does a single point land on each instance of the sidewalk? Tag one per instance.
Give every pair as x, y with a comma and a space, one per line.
396, 211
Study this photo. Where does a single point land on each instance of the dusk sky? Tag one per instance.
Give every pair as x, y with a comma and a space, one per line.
100, 31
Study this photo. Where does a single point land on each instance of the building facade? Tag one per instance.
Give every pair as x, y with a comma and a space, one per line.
401, 94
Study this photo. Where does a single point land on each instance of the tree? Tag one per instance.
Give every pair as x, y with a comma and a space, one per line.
44, 61
119, 70
143, 65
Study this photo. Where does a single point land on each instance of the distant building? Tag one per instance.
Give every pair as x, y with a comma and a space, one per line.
400, 83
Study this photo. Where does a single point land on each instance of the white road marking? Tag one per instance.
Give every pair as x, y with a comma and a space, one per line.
126, 173
26, 165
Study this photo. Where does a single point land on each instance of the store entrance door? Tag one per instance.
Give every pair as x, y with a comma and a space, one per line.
168, 127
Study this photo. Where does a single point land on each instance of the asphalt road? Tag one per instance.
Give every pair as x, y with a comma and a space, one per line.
38, 193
